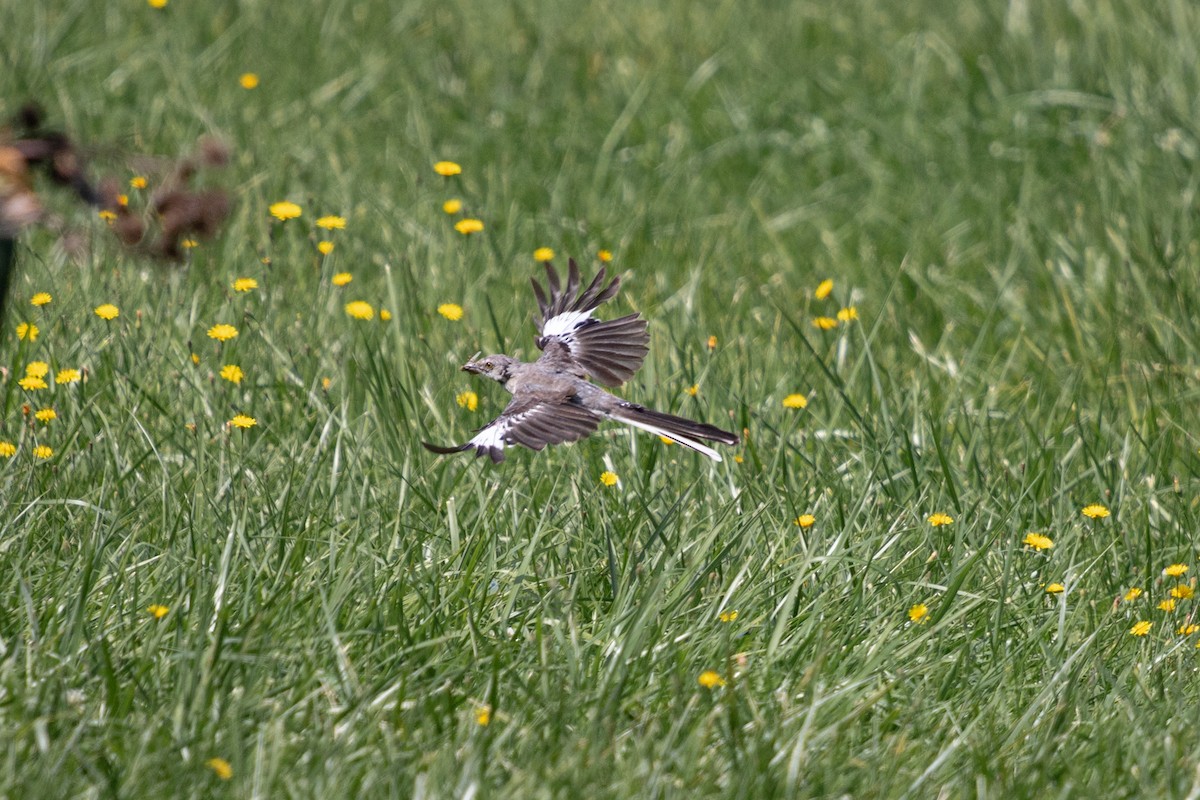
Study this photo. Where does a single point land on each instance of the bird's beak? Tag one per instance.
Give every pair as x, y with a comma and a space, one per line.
470, 367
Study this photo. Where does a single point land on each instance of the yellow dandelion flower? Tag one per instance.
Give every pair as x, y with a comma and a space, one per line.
248, 81
451, 311
326, 383
468, 226
940, 519
331, 222
188, 244
1188, 629
384, 315
31, 383
604, 255
468, 400
40, 299
848, 314
122, 199
27, 330
1054, 588
158, 611
45, 415
157, 3
447, 168
666, 441
483, 716
219, 765
738, 459
543, 254
37, 369
107, 216
608, 478
232, 373
324, 247
1141, 628
284, 210
1183, 592
1095, 511
360, 309
1167, 605
1175, 570
918, 613
452, 206
1133, 594
107, 311
728, 616
7, 449
804, 521
242, 421
137, 182
222, 332
196, 359
43, 452
1037, 541
341, 279
712, 342
825, 323
245, 285
795, 401
710, 680
692, 390
823, 289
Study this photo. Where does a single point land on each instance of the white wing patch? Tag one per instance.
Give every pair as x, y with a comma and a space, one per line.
564, 323
496, 434
493, 435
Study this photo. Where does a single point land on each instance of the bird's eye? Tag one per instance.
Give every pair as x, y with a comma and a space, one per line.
488, 365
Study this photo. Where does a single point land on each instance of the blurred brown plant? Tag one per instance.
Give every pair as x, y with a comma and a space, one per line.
176, 211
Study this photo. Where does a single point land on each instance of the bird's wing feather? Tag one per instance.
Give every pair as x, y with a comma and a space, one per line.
531, 422
573, 340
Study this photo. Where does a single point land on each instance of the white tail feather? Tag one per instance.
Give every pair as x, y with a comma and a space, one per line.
674, 437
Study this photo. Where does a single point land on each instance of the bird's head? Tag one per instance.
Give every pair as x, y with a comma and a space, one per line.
498, 368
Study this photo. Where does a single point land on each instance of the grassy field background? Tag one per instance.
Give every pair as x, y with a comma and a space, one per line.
1005, 193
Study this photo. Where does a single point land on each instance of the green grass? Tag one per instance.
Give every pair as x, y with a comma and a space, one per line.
1007, 195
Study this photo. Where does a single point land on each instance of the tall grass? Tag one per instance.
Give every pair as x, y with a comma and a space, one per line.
1005, 194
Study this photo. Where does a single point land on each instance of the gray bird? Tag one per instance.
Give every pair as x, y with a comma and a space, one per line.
553, 400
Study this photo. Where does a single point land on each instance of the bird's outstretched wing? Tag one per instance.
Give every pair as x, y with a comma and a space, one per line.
575, 341
531, 422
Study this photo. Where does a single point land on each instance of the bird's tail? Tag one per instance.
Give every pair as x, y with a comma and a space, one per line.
677, 429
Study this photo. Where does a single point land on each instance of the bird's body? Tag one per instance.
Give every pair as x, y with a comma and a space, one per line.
553, 400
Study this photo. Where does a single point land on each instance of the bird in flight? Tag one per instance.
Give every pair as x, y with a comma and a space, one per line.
553, 399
